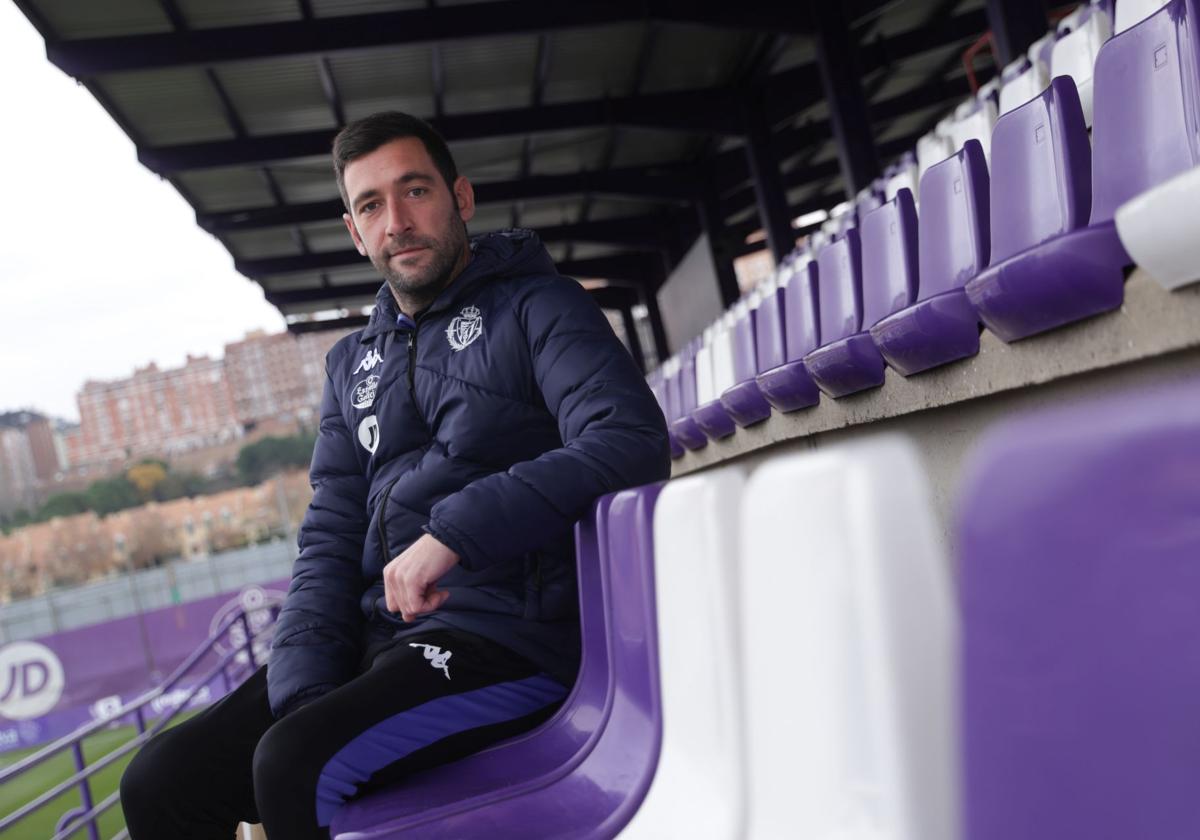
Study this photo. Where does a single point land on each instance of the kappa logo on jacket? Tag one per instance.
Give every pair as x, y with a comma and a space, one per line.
369, 361
464, 329
438, 658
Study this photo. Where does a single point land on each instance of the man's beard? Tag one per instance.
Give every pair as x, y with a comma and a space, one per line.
421, 285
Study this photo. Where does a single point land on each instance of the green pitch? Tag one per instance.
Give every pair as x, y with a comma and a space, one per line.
40, 824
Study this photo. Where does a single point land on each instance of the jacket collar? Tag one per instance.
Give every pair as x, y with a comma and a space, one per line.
504, 253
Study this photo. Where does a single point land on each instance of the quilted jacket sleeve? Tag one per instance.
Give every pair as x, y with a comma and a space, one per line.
316, 645
613, 432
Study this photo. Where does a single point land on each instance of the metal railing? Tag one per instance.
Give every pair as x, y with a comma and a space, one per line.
88, 813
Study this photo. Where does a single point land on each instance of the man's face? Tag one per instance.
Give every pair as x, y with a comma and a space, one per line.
406, 220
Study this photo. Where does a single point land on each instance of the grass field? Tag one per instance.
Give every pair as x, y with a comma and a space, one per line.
40, 824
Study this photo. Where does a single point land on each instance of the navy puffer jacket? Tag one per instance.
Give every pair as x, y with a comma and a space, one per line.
492, 425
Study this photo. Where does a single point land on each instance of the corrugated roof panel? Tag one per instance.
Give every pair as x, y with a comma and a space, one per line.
264, 242
568, 152
226, 188
798, 51
592, 63
616, 208
688, 57
278, 95
328, 236
494, 159
301, 183
73, 19
353, 303
292, 282
549, 212
345, 8
643, 146
489, 218
165, 107
379, 80
487, 75
591, 250
210, 14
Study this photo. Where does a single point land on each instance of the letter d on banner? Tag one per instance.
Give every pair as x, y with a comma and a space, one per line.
31, 680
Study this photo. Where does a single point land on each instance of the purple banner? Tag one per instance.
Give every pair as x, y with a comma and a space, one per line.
51, 685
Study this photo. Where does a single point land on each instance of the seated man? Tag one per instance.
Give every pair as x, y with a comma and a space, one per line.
433, 607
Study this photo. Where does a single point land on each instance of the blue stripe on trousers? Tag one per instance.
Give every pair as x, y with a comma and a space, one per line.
404, 733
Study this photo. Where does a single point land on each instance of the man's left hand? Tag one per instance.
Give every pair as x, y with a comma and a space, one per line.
410, 580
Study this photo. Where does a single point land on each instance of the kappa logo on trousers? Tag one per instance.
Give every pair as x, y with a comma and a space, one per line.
438, 658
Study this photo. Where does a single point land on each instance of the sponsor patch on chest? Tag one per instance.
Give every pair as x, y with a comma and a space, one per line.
363, 395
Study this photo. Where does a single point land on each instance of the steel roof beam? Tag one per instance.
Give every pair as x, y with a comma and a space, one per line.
87, 57
669, 183
697, 111
646, 233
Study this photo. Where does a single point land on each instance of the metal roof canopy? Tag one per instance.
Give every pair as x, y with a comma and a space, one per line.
605, 126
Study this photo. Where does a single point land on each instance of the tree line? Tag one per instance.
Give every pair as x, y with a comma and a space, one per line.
153, 480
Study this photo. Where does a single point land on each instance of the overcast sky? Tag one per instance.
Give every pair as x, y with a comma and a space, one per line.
102, 265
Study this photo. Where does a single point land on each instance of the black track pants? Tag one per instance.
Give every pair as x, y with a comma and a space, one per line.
423, 701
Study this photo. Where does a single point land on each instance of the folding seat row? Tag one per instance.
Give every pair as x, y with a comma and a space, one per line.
1030, 249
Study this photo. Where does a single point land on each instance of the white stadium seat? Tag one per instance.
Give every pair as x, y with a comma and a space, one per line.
1161, 230
932, 148
1132, 12
1023, 86
850, 649
705, 391
976, 122
904, 179
699, 788
1075, 55
723, 376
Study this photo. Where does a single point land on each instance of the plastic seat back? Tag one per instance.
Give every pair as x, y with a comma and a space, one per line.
839, 278
1146, 111
801, 307
1080, 595
889, 258
1041, 167
954, 232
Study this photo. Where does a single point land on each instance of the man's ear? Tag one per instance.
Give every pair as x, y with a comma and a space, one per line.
354, 234
464, 195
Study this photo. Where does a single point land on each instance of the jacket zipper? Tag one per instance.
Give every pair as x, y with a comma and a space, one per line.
412, 359
383, 540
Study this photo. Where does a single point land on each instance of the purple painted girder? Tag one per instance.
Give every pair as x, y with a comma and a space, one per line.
787, 384
1080, 595
954, 244
585, 772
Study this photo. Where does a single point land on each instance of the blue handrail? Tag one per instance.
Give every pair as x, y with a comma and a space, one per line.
88, 813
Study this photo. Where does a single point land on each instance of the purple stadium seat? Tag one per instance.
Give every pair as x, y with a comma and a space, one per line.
683, 427
785, 381
744, 401
658, 386
855, 295
1080, 596
584, 772
942, 326
1052, 271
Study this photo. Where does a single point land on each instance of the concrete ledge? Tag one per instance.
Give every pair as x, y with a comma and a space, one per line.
1152, 322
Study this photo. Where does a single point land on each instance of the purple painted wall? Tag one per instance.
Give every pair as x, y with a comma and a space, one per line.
51, 685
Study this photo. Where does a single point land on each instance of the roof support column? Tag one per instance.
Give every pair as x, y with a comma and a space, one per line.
654, 314
841, 79
769, 191
631, 336
1015, 25
708, 208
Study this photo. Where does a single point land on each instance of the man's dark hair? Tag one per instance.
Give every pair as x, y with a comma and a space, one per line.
364, 136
